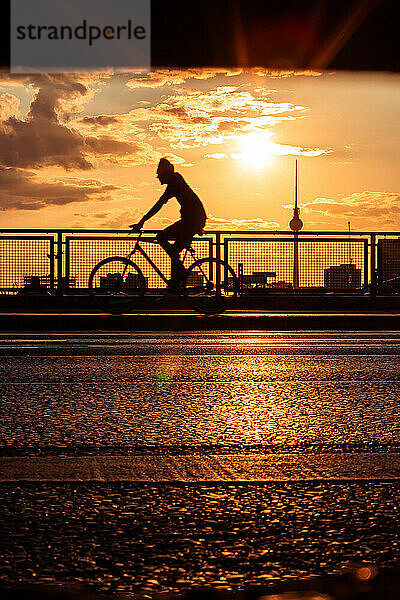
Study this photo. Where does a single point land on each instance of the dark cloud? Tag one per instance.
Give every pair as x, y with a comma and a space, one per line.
43, 140
108, 145
38, 142
181, 113
23, 190
99, 120
177, 111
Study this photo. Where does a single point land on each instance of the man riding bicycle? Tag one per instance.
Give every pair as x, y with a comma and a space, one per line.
192, 221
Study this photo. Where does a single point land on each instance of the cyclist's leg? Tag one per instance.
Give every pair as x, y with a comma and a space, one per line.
178, 270
169, 233
173, 232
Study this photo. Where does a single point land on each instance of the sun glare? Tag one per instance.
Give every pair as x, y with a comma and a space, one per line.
256, 150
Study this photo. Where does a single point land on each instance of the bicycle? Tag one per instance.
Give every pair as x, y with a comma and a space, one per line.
117, 284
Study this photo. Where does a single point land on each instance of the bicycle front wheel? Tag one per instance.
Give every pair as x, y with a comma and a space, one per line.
210, 286
116, 285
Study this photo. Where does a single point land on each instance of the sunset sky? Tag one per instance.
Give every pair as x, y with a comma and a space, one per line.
82, 150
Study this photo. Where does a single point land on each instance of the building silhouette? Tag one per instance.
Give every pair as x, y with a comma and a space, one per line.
341, 277
260, 280
131, 282
42, 283
195, 279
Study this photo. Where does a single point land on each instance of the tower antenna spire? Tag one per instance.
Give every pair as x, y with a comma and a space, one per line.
295, 225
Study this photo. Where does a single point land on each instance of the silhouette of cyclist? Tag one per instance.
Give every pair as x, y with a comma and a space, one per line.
192, 221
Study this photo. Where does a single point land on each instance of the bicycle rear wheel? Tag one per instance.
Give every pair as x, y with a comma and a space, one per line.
116, 285
210, 286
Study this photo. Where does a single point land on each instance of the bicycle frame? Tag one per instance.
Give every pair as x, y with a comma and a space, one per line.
204, 294
138, 248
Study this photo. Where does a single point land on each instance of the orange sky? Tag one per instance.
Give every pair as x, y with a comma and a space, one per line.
81, 150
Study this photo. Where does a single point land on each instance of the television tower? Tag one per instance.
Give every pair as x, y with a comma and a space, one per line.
295, 225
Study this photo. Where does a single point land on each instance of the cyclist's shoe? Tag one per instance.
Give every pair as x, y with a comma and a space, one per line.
175, 285
173, 289
170, 293
178, 272
181, 270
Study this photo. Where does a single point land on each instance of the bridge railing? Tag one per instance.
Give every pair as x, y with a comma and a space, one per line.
60, 261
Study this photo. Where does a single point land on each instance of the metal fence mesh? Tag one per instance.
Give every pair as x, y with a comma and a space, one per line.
25, 265
262, 263
268, 264
333, 265
389, 265
84, 253
265, 260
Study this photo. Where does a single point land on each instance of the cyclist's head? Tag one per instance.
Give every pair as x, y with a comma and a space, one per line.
164, 169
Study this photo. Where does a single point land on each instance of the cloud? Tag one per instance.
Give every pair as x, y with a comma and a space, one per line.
282, 74
237, 224
274, 149
9, 106
42, 139
120, 218
171, 77
114, 218
120, 151
216, 116
52, 135
61, 94
218, 155
110, 146
100, 120
161, 77
285, 149
25, 190
376, 210
191, 118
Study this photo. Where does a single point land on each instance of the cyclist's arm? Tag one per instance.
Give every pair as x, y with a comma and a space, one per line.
154, 210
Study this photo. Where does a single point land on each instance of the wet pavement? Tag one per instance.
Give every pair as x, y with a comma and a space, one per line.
308, 404
147, 538
217, 390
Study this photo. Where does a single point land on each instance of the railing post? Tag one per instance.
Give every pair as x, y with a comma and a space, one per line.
240, 276
51, 257
373, 265
218, 257
59, 257
295, 260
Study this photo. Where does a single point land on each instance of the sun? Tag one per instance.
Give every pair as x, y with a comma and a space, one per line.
256, 150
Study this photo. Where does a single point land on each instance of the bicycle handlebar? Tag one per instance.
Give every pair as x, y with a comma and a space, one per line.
135, 232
